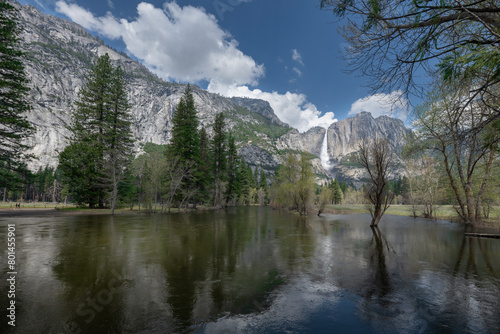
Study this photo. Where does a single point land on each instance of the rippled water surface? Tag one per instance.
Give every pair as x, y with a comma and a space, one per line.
248, 270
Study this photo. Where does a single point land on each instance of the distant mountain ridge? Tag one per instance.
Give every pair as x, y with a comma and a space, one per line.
60, 53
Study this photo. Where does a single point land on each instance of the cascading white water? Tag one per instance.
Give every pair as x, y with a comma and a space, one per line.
325, 159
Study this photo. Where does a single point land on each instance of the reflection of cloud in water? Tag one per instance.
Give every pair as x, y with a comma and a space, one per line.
290, 309
471, 305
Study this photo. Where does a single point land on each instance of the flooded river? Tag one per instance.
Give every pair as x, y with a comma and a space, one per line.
248, 270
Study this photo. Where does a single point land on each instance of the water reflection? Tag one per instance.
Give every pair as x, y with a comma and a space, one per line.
251, 270
380, 282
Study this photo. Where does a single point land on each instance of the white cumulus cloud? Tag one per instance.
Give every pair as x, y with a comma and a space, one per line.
179, 43
291, 108
393, 105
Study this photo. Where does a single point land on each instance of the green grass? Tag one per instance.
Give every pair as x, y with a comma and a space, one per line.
443, 212
35, 205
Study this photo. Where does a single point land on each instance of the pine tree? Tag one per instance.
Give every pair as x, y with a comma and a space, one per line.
244, 181
336, 192
78, 164
263, 180
14, 127
184, 147
185, 141
102, 135
218, 148
232, 188
204, 166
117, 134
89, 120
263, 183
256, 175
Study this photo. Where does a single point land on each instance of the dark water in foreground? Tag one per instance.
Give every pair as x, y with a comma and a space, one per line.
248, 270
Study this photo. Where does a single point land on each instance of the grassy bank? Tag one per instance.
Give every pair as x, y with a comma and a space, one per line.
445, 212
35, 205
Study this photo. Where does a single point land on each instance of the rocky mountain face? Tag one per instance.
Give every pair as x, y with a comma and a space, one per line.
343, 139
60, 53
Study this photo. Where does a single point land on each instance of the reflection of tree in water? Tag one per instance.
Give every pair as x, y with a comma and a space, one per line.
376, 303
381, 283
93, 280
465, 295
219, 263
468, 255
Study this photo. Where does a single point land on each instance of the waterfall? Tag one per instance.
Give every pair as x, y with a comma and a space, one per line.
325, 159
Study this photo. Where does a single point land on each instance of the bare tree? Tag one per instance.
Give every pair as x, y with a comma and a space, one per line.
447, 124
424, 178
157, 165
377, 159
176, 172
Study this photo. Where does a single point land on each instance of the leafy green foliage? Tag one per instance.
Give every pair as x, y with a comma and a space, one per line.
293, 187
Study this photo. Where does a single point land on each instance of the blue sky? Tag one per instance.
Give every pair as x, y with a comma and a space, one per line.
287, 52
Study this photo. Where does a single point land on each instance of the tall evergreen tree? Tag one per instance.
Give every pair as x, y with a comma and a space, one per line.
89, 121
336, 191
101, 145
117, 134
263, 180
185, 141
78, 163
232, 188
184, 147
256, 175
14, 126
219, 158
263, 184
245, 179
204, 167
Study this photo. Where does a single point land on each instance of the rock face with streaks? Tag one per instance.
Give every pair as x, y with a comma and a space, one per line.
343, 140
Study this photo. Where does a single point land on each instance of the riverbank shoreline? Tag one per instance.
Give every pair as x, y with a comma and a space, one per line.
73, 211
56, 211
404, 211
